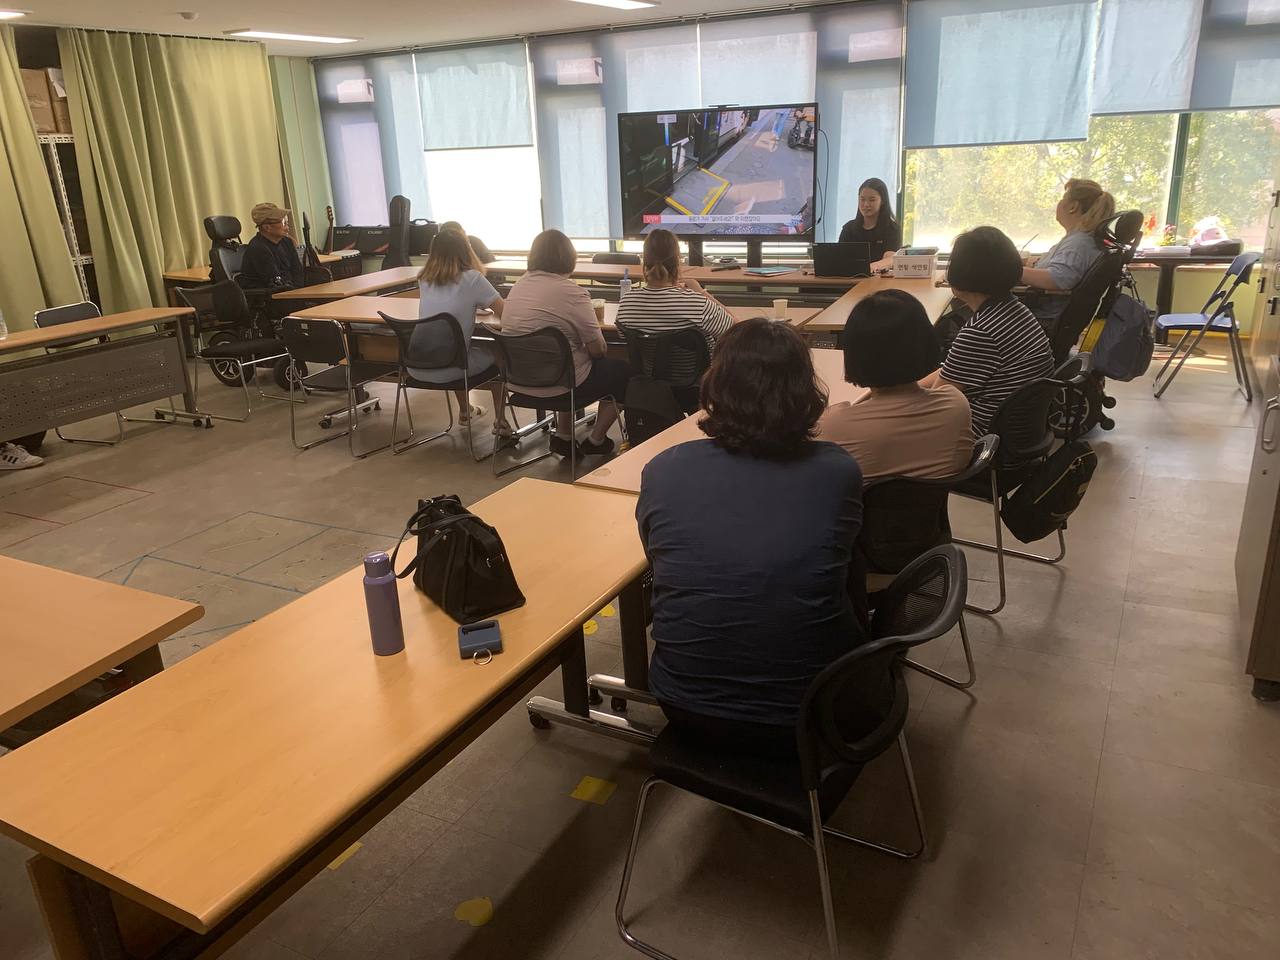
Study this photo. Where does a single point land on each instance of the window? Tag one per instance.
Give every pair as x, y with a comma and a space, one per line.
493, 192
1230, 172
1017, 186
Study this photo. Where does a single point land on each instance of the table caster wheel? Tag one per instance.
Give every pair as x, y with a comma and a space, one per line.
618, 704
538, 721
326, 423
208, 423
594, 697
158, 415
377, 404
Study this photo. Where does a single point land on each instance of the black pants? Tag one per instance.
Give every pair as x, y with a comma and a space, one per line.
735, 736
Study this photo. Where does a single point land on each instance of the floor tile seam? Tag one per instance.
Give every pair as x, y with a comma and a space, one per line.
980, 641
283, 550
219, 573
27, 516
63, 524
202, 530
1269, 787
1096, 869
1093, 812
320, 523
1240, 683
239, 517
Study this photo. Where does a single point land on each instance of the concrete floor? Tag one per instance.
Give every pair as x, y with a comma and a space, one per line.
1110, 790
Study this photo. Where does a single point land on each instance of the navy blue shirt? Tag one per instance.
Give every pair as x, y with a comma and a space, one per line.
750, 561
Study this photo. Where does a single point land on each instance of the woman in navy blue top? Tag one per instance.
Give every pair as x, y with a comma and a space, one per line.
750, 534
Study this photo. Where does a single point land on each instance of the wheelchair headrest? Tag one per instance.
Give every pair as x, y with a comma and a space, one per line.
222, 228
1122, 230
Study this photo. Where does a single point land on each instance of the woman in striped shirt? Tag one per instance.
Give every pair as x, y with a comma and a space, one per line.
1003, 346
667, 302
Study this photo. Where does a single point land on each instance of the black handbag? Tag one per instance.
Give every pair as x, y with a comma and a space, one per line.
461, 563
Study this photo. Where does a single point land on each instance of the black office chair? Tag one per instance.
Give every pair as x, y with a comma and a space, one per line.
1219, 315
70, 313
445, 370
853, 711
541, 359
233, 360
226, 255
398, 241
323, 342
657, 398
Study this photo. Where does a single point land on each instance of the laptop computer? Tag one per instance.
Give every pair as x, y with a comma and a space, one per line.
841, 259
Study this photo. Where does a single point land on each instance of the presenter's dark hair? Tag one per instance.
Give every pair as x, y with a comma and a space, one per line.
761, 394
886, 206
984, 260
552, 252
888, 341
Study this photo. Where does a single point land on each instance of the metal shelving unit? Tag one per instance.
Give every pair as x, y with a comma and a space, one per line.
53, 161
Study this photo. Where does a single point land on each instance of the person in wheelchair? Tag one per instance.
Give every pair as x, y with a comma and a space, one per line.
271, 263
1084, 205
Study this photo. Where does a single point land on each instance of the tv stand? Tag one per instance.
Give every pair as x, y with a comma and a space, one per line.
695, 251
755, 253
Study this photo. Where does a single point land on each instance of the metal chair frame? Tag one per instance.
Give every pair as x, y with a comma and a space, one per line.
1221, 304
500, 341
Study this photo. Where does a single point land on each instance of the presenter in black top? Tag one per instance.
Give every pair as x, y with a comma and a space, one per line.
874, 224
271, 259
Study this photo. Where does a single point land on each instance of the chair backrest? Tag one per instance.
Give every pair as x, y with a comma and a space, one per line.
221, 302
1023, 422
1094, 295
226, 255
398, 240
314, 341
904, 517
651, 354
542, 358
1238, 273
924, 601
67, 313
453, 352
624, 259
1123, 232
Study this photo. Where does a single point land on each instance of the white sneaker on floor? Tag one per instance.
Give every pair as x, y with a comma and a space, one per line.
14, 457
474, 412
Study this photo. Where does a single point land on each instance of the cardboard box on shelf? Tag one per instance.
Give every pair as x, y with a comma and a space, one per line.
62, 116
58, 97
36, 85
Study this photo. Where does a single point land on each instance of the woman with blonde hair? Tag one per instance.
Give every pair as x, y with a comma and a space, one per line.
452, 281
668, 301
1084, 205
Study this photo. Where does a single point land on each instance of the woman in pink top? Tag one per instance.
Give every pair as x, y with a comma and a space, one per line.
547, 297
900, 427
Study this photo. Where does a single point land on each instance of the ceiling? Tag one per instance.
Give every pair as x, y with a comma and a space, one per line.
380, 25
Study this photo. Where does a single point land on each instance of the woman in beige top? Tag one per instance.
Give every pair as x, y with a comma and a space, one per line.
900, 427
547, 297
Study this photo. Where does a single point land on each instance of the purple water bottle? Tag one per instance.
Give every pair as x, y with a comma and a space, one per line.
383, 601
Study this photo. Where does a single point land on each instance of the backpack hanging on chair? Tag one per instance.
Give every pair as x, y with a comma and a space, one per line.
1044, 501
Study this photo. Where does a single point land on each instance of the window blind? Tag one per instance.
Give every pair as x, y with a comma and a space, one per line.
1238, 57
1146, 55
474, 97
998, 71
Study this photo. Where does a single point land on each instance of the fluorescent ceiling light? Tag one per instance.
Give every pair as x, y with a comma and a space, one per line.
620, 4
300, 37
12, 14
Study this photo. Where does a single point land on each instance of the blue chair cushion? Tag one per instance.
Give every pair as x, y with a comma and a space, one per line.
1191, 321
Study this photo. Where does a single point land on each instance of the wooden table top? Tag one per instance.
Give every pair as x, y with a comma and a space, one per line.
832, 319
189, 792
622, 473
62, 630
367, 283
200, 274
800, 275
86, 329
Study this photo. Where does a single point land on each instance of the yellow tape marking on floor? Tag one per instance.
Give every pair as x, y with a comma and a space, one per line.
715, 196
345, 855
594, 790
476, 912
679, 206
590, 627
608, 610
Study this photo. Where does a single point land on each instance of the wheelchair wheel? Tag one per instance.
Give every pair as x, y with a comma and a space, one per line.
284, 371
227, 371
1084, 414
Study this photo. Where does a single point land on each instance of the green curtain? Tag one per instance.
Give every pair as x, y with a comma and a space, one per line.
36, 264
169, 131
302, 151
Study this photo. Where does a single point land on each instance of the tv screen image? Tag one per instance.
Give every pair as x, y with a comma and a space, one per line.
723, 172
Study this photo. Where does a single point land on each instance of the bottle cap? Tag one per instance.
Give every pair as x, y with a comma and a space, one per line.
377, 564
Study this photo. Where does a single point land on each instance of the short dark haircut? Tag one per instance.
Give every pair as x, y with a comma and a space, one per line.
888, 341
761, 394
552, 252
984, 260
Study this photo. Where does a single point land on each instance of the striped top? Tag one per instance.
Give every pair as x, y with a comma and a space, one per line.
674, 308
995, 353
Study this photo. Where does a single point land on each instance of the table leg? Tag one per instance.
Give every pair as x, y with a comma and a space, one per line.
573, 675
633, 612
95, 917
143, 665
1164, 288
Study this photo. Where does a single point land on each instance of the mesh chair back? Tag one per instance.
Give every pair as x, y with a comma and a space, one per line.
653, 354
925, 600
1023, 422
451, 353
221, 303
623, 259
542, 358
67, 313
314, 341
904, 517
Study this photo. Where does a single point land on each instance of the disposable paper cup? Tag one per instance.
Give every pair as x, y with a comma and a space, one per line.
780, 309
598, 306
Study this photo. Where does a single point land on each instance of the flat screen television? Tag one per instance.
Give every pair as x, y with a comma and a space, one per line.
720, 173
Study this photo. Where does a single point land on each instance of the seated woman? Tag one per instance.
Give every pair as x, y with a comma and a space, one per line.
1003, 346
546, 297
669, 302
900, 427
452, 281
1084, 205
750, 534
875, 223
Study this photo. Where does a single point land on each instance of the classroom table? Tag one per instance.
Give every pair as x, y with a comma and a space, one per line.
832, 319
76, 383
200, 274
184, 810
800, 274
62, 630
380, 281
